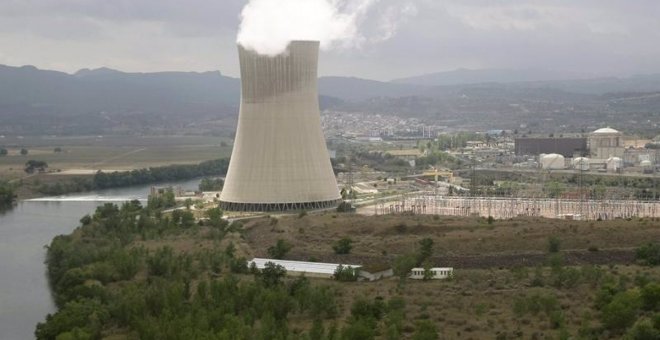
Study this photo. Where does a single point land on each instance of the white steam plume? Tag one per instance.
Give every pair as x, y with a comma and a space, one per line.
267, 26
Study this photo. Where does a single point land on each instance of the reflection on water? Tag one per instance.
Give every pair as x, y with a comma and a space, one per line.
24, 231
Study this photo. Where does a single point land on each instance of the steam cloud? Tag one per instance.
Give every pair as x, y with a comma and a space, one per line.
267, 26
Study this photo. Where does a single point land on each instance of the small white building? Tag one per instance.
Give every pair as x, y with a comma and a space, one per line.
647, 166
614, 164
437, 273
552, 161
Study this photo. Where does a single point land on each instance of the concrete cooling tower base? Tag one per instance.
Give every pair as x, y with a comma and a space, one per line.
229, 206
280, 161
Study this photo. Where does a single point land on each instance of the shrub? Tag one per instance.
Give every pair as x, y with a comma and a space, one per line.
622, 311
280, 249
651, 296
346, 274
643, 329
345, 207
343, 246
85, 220
401, 228
557, 319
426, 330
553, 244
649, 253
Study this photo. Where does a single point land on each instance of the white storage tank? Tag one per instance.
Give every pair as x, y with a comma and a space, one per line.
581, 163
614, 164
552, 161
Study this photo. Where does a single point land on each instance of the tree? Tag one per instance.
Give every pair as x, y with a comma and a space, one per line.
622, 311
6, 195
215, 218
343, 246
428, 274
32, 166
651, 296
403, 265
3, 152
24, 152
425, 250
57, 150
346, 273
643, 330
553, 244
649, 254
272, 274
280, 249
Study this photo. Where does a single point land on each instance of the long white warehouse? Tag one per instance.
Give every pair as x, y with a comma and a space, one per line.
310, 269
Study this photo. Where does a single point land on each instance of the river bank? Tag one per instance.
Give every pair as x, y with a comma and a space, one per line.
25, 229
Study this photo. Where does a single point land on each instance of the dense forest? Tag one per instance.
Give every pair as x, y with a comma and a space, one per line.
102, 180
106, 283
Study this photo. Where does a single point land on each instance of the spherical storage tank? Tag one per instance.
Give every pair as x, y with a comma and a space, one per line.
614, 164
581, 163
552, 161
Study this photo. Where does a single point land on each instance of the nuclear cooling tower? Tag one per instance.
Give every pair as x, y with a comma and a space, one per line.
280, 160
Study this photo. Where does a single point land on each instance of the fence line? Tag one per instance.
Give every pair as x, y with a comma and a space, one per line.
502, 208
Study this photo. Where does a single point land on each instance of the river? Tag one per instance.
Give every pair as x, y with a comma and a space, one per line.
25, 297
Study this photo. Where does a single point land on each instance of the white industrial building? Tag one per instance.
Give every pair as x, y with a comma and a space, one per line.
605, 143
309, 269
437, 273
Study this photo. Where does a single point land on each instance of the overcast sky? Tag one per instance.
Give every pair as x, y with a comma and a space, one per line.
402, 37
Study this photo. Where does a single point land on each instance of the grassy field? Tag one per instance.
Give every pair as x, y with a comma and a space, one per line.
109, 152
497, 300
386, 236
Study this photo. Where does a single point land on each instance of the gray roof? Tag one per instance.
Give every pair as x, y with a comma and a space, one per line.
301, 266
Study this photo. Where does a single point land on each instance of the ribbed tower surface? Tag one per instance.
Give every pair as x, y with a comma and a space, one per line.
280, 160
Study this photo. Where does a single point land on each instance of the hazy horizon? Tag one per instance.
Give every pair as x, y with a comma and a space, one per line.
390, 39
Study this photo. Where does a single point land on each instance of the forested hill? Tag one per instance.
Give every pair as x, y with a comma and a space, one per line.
105, 101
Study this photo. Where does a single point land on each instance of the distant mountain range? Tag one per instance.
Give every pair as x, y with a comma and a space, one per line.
34, 101
466, 76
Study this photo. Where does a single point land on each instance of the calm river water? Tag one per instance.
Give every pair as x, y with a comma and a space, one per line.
24, 231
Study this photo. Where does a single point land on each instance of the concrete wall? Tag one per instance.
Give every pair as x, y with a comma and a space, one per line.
566, 147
